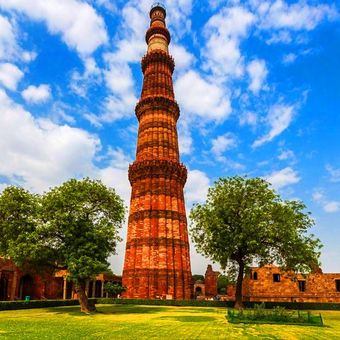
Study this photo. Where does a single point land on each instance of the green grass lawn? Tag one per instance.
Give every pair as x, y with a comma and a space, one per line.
150, 322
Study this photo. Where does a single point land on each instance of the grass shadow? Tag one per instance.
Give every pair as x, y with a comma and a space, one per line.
109, 309
189, 318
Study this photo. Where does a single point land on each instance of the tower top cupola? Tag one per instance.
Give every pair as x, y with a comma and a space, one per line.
157, 36
157, 11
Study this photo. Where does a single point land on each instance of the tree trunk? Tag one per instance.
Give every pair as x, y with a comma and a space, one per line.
85, 305
238, 294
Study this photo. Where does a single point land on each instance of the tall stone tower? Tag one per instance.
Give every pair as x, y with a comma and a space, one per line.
157, 262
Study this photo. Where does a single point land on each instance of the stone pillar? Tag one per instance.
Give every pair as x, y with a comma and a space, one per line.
64, 288
94, 289
14, 285
102, 289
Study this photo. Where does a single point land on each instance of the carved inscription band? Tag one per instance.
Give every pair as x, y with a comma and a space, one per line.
158, 241
158, 56
160, 189
160, 273
152, 104
157, 124
167, 214
157, 169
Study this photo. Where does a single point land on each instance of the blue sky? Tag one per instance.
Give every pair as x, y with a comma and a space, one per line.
258, 84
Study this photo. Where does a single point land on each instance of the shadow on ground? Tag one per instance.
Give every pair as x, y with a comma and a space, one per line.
116, 309
189, 318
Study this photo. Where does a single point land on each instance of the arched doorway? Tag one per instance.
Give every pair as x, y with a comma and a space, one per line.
198, 291
3, 288
26, 287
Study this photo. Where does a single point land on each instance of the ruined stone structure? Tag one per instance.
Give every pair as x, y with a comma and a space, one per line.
157, 263
269, 283
210, 281
15, 284
207, 288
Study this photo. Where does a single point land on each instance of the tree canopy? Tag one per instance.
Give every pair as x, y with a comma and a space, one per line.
244, 221
73, 226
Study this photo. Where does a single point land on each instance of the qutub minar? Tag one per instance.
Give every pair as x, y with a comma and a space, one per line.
157, 260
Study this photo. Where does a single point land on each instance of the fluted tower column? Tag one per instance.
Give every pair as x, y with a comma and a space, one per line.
157, 261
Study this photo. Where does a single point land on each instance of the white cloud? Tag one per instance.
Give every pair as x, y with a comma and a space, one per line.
224, 32
257, 71
332, 206
78, 23
248, 118
196, 188
8, 45
286, 154
334, 173
327, 205
183, 58
289, 58
201, 98
107, 4
284, 37
37, 94
39, 153
92, 75
93, 119
317, 196
279, 118
9, 42
10, 75
116, 173
283, 177
296, 16
184, 137
222, 144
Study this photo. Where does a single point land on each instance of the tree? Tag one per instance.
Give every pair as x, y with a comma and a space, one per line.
114, 289
74, 226
223, 282
198, 277
243, 220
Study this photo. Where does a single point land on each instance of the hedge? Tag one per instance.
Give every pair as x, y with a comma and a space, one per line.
12, 305
227, 304
198, 303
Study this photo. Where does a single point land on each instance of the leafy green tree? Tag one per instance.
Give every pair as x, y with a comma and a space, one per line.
222, 282
197, 277
243, 220
73, 226
114, 289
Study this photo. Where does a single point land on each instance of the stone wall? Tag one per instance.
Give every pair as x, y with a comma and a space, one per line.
268, 283
210, 281
15, 284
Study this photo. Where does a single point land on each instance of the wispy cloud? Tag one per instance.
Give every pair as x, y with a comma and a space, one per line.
278, 119
334, 173
327, 205
283, 178
77, 22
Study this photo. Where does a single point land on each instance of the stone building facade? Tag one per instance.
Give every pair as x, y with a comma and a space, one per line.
208, 287
157, 261
15, 284
269, 283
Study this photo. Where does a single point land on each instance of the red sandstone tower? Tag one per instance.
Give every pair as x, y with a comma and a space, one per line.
157, 262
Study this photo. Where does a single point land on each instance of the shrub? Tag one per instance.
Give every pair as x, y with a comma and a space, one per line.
276, 315
13, 305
